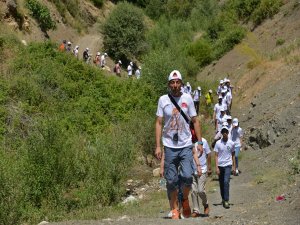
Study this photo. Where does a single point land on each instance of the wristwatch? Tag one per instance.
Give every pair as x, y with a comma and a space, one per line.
200, 143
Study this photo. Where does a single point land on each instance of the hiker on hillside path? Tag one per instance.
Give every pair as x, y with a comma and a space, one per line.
199, 180
76, 51
103, 60
236, 136
129, 70
217, 112
138, 72
196, 98
117, 68
177, 140
225, 162
209, 98
86, 55
69, 47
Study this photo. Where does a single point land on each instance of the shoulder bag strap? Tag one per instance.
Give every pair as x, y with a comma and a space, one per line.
178, 108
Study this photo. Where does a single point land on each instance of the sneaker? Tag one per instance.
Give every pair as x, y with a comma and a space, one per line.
175, 214
236, 172
186, 210
226, 205
195, 214
206, 210
170, 214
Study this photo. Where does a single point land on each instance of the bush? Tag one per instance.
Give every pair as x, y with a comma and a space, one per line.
228, 41
244, 8
155, 9
98, 3
179, 8
266, 9
201, 52
124, 32
42, 14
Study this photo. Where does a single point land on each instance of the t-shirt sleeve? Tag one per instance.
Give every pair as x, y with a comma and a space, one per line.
160, 111
216, 148
241, 132
206, 147
192, 110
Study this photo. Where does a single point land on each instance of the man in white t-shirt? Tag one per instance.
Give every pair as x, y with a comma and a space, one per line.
217, 111
225, 162
236, 136
196, 98
198, 187
129, 69
177, 141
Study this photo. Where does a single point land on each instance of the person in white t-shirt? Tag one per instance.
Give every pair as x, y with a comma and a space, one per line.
129, 69
217, 111
219, 119
196, 98
177, 141
198, 187
220, 87
103, 60
236, 137
225, 162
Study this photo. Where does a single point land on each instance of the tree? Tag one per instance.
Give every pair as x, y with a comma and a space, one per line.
124, 32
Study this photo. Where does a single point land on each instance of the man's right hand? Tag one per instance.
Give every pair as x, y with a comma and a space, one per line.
158, 153
218, 171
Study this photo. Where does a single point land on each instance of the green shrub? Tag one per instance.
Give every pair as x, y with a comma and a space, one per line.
266, 9
201, 51
244, 8
42, 14
280, 41
155, 9
98, 3
179, 8
124, 32
228, 41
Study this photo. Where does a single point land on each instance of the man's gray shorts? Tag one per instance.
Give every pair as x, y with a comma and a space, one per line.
175, 158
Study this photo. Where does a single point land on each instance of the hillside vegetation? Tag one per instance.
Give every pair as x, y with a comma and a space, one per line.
70, 133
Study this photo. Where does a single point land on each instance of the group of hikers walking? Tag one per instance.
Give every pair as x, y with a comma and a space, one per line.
133, 70
185, 155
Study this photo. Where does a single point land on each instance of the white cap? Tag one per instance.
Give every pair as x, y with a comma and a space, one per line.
228, 117
69, 42
210, 91
224, 128
227, 81
98, 53
140, 67
76, 47
221, 81
188, 84
225, 124
131, 64
235, 122
120, 61
199, 88
87, 49
175, 74
105, 54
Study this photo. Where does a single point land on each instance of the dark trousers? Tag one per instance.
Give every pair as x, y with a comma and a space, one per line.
197, 105
224, 179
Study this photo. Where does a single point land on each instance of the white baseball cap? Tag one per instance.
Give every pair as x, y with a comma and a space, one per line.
210, 91
175, 74
98, 53
235, 122
131, 64
105, 54
224, 128
228, 117
199, 88
221, 81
